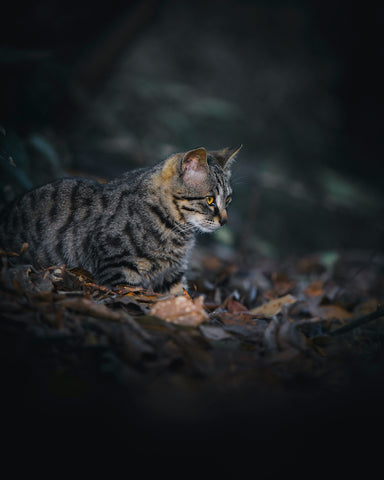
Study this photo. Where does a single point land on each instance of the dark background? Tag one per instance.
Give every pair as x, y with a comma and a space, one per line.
98, 89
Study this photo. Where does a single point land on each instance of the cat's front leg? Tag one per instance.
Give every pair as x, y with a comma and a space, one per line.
179, 288
115, 275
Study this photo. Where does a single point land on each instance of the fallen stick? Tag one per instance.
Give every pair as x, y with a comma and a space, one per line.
379, 312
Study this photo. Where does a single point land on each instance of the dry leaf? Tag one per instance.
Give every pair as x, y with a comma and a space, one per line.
272, 308
329, 312
282, 284
243, 318
315, 289
366, 307
181, 310
233, 306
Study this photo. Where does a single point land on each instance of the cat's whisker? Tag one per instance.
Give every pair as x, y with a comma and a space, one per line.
177, 229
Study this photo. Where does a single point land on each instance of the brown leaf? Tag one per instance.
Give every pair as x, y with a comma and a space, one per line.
81, 274
181, 310
315, 289
367, 306
282, 283
233, 306
244, 318
272, 308
329, 312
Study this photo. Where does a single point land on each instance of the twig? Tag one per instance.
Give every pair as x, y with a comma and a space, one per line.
379, 312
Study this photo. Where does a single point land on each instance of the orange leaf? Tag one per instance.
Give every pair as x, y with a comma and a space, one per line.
328, 312
272, 308
181, 310
314, 289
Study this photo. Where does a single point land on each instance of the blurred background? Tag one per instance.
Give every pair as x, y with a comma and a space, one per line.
95, 89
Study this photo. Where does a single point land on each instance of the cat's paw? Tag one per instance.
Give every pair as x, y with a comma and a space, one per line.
178, 289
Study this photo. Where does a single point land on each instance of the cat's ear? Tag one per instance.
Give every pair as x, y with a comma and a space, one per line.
226, 156
194, 166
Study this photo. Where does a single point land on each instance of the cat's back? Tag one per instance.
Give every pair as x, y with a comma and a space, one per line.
38, 215
52, 199
67, 208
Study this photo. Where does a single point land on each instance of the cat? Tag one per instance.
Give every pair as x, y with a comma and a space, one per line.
138, 229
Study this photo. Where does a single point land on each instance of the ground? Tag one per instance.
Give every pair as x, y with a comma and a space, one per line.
255, 345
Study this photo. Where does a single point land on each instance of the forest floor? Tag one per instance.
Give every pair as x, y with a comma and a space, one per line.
255, 346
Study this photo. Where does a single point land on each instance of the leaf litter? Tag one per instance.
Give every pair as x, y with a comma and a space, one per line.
244, 323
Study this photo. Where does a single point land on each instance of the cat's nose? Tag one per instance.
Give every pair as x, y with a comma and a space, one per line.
223, 218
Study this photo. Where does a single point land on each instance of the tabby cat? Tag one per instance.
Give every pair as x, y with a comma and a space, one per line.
138, 229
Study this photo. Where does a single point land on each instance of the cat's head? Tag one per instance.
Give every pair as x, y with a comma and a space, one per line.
201, 186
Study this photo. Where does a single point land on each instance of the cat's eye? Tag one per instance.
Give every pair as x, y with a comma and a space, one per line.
210, 200
228, 199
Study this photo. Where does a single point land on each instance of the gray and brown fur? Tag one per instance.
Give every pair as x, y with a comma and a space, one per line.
138, 229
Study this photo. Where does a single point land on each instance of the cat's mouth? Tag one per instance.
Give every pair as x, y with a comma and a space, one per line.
206, 226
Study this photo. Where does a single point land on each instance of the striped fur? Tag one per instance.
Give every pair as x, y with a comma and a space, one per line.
138, 229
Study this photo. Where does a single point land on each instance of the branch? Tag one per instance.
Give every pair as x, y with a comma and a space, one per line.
359, 321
